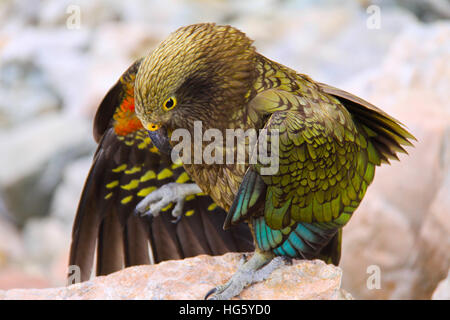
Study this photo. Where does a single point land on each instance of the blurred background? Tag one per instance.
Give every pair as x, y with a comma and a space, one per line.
59, 58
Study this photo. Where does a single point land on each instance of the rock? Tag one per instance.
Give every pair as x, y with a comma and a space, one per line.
428, 10
24, 93
337, 48
92, 13
403, 225
36, 154
11, 244
442, 291
433, 246
191, 278
15, 270
46, 240
67, 194
47, 68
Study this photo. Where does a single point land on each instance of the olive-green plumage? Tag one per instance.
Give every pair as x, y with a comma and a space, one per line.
329, 140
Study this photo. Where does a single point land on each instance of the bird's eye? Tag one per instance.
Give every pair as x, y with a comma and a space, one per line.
169, 104
152, 127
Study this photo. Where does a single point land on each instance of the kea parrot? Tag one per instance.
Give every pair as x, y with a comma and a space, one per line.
127, 176
329, 143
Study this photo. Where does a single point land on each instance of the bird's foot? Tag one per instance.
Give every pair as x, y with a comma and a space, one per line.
257, 269
169, 193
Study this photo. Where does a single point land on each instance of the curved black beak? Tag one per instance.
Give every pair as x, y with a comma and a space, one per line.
161, 140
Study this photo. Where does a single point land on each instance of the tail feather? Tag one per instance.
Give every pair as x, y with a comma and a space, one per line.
136, 245
387, 134
110, 246
331, 253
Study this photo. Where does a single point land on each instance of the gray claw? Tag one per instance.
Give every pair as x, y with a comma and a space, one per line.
169, 193
256, 269
209, 293
176, 220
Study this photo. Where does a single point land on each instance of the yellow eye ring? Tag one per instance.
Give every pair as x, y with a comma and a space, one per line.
152, 127
170, 103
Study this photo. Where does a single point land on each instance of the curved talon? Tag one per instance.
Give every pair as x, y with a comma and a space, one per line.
150, 213
176, 220
209, 293
287, 260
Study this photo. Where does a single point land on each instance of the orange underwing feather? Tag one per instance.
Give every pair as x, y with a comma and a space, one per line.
125, 118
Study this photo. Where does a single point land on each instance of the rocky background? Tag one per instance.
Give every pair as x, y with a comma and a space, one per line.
58, 59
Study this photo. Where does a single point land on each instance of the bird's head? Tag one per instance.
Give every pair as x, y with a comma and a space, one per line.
200, 72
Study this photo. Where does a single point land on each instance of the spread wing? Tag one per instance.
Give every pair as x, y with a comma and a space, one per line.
126, 168
329, 145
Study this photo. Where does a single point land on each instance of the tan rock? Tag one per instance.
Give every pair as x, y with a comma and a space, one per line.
403, 224
433, 257
191, 278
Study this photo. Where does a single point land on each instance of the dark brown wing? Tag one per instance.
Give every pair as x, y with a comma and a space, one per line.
127, 167
386, 133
